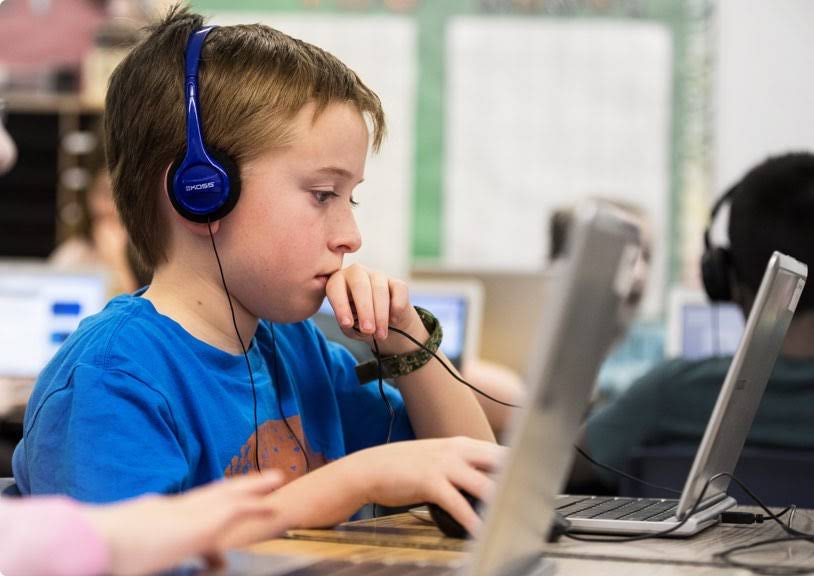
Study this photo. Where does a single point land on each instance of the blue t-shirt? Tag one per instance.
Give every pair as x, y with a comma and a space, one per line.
132, 403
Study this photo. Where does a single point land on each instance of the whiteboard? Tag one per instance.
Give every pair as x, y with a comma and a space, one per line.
381, 49
541, 113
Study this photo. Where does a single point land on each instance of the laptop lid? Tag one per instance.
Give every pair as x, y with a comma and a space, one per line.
40, 307
586, 311
746, 379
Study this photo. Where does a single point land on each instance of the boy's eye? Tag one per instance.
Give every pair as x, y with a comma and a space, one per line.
322, 196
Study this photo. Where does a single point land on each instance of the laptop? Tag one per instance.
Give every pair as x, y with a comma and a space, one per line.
586, 312
40, 306
698, 328
726, 431
458, 305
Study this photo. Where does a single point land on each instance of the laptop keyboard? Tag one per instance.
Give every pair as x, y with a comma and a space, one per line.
616, 508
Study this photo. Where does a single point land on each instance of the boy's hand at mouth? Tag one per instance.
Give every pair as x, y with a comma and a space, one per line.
367, 302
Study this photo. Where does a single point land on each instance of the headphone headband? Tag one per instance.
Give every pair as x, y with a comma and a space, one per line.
716, 262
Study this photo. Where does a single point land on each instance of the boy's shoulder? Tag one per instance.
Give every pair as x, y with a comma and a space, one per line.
128, 337
127, 327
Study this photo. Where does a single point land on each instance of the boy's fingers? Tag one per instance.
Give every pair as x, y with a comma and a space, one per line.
452, 501
337, 292
474, 482
361, 293
399, 301
381, 303
486, 456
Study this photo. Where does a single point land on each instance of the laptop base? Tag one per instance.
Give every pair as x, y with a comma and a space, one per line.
701, 520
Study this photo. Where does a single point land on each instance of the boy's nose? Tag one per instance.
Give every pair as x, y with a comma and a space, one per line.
346, 238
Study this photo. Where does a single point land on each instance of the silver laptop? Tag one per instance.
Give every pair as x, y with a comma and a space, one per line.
585, 313
726, 432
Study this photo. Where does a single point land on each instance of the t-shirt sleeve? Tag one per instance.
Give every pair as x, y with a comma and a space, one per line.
627, 422
365, 416
105, 436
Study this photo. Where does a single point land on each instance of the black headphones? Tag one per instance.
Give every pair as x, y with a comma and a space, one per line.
716, 262
203, 185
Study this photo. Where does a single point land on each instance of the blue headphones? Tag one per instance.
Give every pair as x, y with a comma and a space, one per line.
204, 185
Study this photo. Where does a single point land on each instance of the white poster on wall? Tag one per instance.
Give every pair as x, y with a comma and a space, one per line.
541, 113
382, 51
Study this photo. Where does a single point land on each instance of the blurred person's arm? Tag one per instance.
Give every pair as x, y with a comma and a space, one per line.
57, 536
499, 382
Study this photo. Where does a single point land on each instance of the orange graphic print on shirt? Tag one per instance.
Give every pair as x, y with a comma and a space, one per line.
278, 449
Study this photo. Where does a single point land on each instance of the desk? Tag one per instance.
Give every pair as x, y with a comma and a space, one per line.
404, 538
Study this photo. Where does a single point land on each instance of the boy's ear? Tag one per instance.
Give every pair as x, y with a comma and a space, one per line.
197, 228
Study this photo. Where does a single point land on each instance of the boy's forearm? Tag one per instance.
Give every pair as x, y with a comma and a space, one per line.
325, 497
440, 406
437, 404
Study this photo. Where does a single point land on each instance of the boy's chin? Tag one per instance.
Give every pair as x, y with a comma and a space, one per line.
298, 311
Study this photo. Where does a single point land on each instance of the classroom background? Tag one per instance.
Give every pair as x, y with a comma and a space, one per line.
500, 112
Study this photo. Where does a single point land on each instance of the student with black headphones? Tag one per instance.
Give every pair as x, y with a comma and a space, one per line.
236, 183
770, 208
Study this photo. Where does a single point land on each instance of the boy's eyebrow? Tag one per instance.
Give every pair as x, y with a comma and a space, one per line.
337, 171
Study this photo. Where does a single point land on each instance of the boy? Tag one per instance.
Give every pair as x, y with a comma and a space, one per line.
183, 382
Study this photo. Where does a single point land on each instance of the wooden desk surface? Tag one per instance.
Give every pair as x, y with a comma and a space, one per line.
405, 538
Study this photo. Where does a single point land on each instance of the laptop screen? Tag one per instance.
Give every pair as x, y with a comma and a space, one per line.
451, 310
40, 308
710, 330
698, 329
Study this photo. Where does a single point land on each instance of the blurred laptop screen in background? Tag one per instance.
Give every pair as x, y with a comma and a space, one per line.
458, 305
698, 329
40, 307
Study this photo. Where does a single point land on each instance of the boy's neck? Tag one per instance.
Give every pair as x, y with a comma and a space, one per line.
200, 306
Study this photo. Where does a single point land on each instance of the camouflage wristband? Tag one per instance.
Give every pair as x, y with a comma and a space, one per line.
402, 364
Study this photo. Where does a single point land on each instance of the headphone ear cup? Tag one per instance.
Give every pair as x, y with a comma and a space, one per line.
715, 266
197, 206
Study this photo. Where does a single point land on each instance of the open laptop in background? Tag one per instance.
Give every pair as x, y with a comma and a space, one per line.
40, 306
458, 305
698, 328
586, 313
726, 433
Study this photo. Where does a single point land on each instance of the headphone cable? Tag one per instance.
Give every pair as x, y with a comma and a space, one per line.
242, 347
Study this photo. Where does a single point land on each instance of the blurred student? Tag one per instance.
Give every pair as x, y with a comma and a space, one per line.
214, 370
771, 208
101, 240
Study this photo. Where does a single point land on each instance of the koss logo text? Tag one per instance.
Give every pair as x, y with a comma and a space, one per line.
204, 186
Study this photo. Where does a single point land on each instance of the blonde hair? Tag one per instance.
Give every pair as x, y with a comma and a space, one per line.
253, 81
